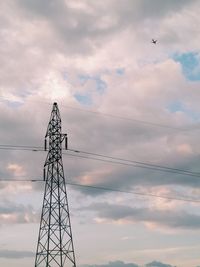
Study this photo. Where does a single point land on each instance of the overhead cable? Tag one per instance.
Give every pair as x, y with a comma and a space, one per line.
179, 198
108, 159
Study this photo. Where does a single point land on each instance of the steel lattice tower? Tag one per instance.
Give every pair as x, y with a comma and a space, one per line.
55, 245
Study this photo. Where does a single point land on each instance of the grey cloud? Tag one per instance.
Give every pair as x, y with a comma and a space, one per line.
126, 10
144, 177
77, 29
98, 134
169, 218
45, 8
38, 37
113, 264
123, 264
15, 254
158, 264
22, 126
128, 178
154, 8
28, 54
17, 213
9, 207
73, 29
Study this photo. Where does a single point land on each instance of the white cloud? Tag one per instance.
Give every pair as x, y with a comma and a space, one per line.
16, 169
47, 46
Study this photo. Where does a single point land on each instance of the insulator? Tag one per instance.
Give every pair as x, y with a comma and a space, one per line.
66, 142
44, 174
45, 144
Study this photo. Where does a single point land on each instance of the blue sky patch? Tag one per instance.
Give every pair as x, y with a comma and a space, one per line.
100, 84
120, 71
178, 106
84, 99
175, 107
13, 103
190, 63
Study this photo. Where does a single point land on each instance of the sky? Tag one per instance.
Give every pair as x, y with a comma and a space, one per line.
119, 95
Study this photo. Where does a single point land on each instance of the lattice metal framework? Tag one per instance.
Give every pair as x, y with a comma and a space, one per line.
55, 244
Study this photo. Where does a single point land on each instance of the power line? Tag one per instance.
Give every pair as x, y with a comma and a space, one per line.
21, 180
179, 198
21, 149
111, 116
135, 193
109, 159
128, 119
21, 146
137, 162
137, 166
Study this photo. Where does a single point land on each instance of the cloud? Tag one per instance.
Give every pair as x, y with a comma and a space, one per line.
15, 254
123, 264
113, 264
109, 18
163, 217
16, 213
47, 50
39, 38
16, 169
157, 264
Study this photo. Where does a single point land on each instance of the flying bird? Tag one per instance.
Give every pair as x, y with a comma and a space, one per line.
154, 41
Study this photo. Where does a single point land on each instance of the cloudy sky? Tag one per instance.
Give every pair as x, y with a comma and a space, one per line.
119, 95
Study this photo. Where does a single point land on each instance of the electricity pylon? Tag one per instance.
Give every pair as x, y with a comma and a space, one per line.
55, 245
